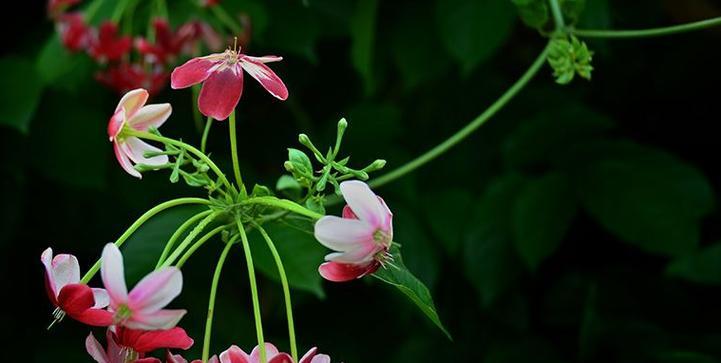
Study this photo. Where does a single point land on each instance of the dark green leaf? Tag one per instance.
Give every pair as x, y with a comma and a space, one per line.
60, 69
419, 253
534, 13
447, 213
397, 274
21, 92
702, 267
362, 29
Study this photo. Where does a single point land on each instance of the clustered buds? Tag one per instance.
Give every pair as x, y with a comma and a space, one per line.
569, 56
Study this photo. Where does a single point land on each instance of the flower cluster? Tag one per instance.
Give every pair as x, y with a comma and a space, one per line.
112, 50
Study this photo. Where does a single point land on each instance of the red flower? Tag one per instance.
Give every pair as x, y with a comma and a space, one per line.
168, 44
125, 77
222, 77
74, 33
57, 7
209, 3
80, 302
126, 345
106, 45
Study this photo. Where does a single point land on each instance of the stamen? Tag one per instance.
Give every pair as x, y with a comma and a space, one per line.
235, 44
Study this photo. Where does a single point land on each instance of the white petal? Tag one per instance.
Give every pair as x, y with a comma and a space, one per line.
137, 148
321, 358
102, 299
66, 270
96, 350
156, 290
342, 234
150, 116
121, 153
162, 319
113, 274
364, 203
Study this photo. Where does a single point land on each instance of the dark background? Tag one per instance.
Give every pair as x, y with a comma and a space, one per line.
578, 225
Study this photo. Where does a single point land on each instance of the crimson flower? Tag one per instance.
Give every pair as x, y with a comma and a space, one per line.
168, 44
106, 45
142, 308
222, 77
125, 77
80, 302
361, 238
132, 112
74, 33
128, 345
176, 358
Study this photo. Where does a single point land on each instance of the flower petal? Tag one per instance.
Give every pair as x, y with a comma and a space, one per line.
357, 256
146, 341
321, 358
342, 272
343, 234
150, 116
136, 149
364, 203
308, 356
161, 319
281, 358
101, 298
75, 298
132, 101
264, 59
270, 352
94, 317
96, 350
234, 355
267, 78
112, 273
221, 93
47, 259
124, 160
115, 125
192, 72
156, 290
174, 358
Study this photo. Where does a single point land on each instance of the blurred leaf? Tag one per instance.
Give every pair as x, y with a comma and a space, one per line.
597, 15
542, 214
419, 254
22, 89
398, 275
289, 186
362, 29
447, 213
534, 13
376, 123
647, 197
255, 9
703, 267
473, 30
60, 69
491, 263
292, 28
572, 9
70, 142
300, 252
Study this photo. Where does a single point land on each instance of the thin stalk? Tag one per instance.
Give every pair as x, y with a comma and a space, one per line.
468, 129
139, 222
178, 232
283, 204
557, 16
206, 131
234, 153
253, 289
286, 291
201, 241
643, 33
189, 238
211, 301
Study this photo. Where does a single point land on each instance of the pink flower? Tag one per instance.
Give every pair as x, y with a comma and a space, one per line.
106, 45
127, 345
361, 238
132, 113
175, 358
80, 302
74, 33
168, 43
142, 308
222, 74
313, 357
237, 355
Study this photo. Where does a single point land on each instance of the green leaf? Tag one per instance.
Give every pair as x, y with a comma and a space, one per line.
316, 204
60, 69
419, 253
647, 197
300, 252
292, 27
398, 275
362, 30
541, 216
289, 186
447, 213
300, 161
703, 267
534, 13
261, 191
491, 262
473, 30
21, 89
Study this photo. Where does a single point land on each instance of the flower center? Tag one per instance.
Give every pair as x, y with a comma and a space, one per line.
381, 237
122, 314
129, 355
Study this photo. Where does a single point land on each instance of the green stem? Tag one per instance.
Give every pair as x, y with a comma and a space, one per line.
206, 131
198, 244
653, 32
144, 218
189, 238
468, 129
557, 16
283, 204
234, 153
162, 8
119, 10
211, 301
190, 148
286, 291
253, 289
178, 232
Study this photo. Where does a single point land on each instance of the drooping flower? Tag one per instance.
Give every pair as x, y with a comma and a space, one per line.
222, 77
142, 308
106, 45
236, 355
80, 302
132, 112
127, 345
126, 76
168, 43
74, 32
361, 238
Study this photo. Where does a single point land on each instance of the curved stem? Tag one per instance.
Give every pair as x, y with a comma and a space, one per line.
211, 301
283, 204
253, 289
139, 222
204, 140
190, 148
286, 291
557, 15
189, 238
234, 153
198, 244
653, 32
178, 232
468, 129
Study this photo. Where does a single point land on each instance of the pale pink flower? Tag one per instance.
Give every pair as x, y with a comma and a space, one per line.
236, 355
361, 238
134, 114
127, 345
313, 357
222, 77
142, 308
